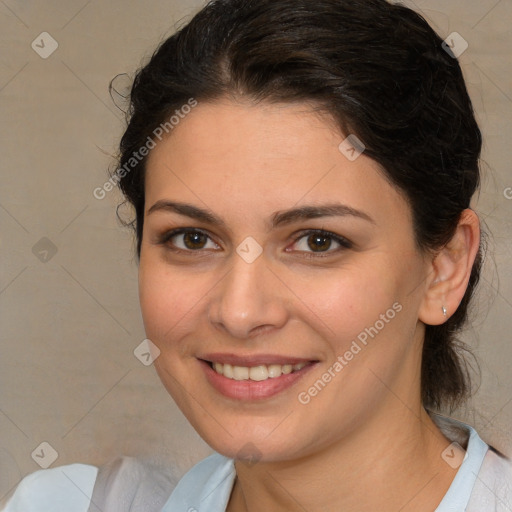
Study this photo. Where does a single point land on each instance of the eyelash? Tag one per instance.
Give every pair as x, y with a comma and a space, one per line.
343, 242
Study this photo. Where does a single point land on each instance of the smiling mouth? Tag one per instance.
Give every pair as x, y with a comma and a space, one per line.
256, 373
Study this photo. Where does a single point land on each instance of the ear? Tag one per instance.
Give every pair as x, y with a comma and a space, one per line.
449, 271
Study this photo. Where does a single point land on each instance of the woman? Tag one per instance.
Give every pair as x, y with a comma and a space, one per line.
301, 174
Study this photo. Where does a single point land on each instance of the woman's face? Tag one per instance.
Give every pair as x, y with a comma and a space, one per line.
295, 253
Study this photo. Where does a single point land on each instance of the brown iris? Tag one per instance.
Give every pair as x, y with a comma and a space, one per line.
315, 242
194, 240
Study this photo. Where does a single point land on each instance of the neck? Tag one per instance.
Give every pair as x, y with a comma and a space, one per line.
384, 465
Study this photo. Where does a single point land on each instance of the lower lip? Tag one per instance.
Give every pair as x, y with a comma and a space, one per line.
252, 389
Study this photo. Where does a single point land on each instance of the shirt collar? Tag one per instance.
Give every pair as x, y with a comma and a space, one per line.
458, 495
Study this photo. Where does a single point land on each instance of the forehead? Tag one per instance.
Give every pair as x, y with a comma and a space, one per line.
253, 157
254, 133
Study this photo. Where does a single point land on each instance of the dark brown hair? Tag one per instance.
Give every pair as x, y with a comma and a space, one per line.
380, 71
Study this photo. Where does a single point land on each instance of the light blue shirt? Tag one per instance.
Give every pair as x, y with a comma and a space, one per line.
483, 483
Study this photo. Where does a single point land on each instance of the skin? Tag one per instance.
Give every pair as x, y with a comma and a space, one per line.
365, 442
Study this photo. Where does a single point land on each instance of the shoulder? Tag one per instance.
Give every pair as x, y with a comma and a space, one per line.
124, 484
483, 482
493, 485
206, 486
61, 489
208, 472
131, 484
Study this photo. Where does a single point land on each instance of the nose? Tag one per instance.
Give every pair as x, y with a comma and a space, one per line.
249, 300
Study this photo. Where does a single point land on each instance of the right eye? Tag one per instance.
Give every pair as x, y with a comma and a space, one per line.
187, 240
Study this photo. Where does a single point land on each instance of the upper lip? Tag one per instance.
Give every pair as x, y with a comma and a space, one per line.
252, 360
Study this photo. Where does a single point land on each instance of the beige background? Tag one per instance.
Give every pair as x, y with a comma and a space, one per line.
69, 325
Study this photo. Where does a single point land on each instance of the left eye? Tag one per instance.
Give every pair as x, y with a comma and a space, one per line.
320, 241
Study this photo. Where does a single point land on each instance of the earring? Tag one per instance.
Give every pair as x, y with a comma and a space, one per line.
444, 310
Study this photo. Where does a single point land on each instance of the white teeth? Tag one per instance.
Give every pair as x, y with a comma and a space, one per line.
287, 368
256, 373
240, 372
228, 370
274, 370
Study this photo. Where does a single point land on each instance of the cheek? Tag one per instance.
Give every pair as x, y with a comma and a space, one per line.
168, 299
361, 313
344, 301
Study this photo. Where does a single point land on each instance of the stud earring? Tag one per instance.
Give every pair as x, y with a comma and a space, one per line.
444, 310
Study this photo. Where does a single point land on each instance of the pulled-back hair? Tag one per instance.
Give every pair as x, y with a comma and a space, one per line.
380, 71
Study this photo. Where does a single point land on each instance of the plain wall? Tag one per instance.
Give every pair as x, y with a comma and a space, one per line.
69, 325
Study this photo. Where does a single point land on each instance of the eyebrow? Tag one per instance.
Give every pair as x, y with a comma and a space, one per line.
277, 219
